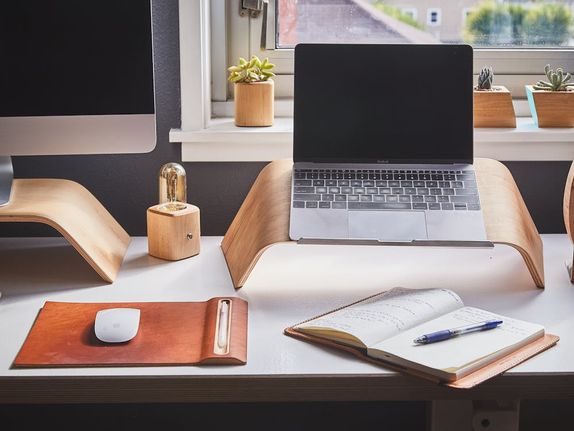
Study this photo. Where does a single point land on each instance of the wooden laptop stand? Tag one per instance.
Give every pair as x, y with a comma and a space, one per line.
261, 223
74, 212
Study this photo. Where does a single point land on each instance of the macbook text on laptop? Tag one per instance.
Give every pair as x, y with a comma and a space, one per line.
383, 145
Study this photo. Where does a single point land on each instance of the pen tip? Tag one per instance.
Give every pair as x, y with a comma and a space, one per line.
419, 340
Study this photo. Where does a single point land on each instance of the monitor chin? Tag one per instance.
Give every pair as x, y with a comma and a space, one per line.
77, 134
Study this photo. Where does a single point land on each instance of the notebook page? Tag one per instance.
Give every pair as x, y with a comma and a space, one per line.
389, 313
459, 352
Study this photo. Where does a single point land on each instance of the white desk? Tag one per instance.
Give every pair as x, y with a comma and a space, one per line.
290, 284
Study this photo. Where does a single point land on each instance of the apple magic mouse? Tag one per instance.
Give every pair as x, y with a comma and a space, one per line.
117, 325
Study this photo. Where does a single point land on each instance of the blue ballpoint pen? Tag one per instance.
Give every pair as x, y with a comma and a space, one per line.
449, 333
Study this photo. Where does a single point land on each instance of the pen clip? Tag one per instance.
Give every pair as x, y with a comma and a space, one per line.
222, 327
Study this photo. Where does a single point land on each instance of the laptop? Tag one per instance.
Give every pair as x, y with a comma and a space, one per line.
383, 145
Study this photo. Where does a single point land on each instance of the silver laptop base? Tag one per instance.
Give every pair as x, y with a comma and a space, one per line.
427, 243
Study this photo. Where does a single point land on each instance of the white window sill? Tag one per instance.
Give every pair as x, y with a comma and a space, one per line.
223, 141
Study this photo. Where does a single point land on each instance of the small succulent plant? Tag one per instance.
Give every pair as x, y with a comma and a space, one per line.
253, 70
557, 80
485, 78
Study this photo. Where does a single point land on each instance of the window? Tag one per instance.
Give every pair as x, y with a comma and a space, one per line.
517, 53
213, 35
433, 17
508, 23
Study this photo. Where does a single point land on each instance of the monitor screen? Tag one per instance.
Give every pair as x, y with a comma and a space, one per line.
77, 77
383, 103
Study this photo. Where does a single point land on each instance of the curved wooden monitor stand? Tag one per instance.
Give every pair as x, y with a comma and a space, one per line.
260, 223
73, 211
567, 208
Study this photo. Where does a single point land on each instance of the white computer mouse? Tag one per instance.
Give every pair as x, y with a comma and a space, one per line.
117, 325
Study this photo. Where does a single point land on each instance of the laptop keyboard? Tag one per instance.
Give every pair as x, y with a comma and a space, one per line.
385, 189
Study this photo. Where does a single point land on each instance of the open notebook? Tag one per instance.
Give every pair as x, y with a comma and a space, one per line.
385, 325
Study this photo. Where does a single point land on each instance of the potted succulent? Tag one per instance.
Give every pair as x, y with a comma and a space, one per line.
254, 91
552, 102
492, 104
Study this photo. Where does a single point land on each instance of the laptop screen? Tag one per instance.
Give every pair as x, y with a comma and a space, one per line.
383, 103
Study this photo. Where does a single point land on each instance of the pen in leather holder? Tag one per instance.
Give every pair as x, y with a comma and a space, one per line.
173, 226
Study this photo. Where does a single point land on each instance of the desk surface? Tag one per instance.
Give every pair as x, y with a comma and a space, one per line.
291, 283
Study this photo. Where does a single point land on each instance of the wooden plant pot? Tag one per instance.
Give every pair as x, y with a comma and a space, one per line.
254, 104
551, 108
493, 108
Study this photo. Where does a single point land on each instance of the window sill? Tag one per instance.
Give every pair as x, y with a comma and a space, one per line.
223, 141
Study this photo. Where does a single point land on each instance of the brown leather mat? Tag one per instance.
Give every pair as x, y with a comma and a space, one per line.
170, 333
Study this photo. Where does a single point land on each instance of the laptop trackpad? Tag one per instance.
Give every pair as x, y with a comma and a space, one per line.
387, 225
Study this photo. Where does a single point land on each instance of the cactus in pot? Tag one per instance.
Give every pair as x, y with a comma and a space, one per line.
492, 104
552, 102
557, 80
485, 78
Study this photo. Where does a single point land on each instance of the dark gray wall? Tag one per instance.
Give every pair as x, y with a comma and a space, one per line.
127, 184
542, 187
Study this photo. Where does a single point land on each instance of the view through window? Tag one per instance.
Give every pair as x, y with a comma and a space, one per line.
481, 23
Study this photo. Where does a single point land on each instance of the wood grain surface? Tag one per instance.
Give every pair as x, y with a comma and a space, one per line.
554, 108
73, 211
173, 235
506, 217
567, 206
494, 108
261, 223
254, 103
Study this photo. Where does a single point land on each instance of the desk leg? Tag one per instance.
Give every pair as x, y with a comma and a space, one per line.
462, 415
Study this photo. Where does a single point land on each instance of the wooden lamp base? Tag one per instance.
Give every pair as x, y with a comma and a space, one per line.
74, 212
173, 230
263, 219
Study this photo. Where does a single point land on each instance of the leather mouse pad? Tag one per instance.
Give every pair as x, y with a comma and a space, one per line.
170, 333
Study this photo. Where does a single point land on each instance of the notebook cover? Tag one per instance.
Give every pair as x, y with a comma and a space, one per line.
170, 333
491, 370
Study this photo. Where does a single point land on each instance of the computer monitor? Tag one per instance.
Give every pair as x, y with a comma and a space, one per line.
76, 78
